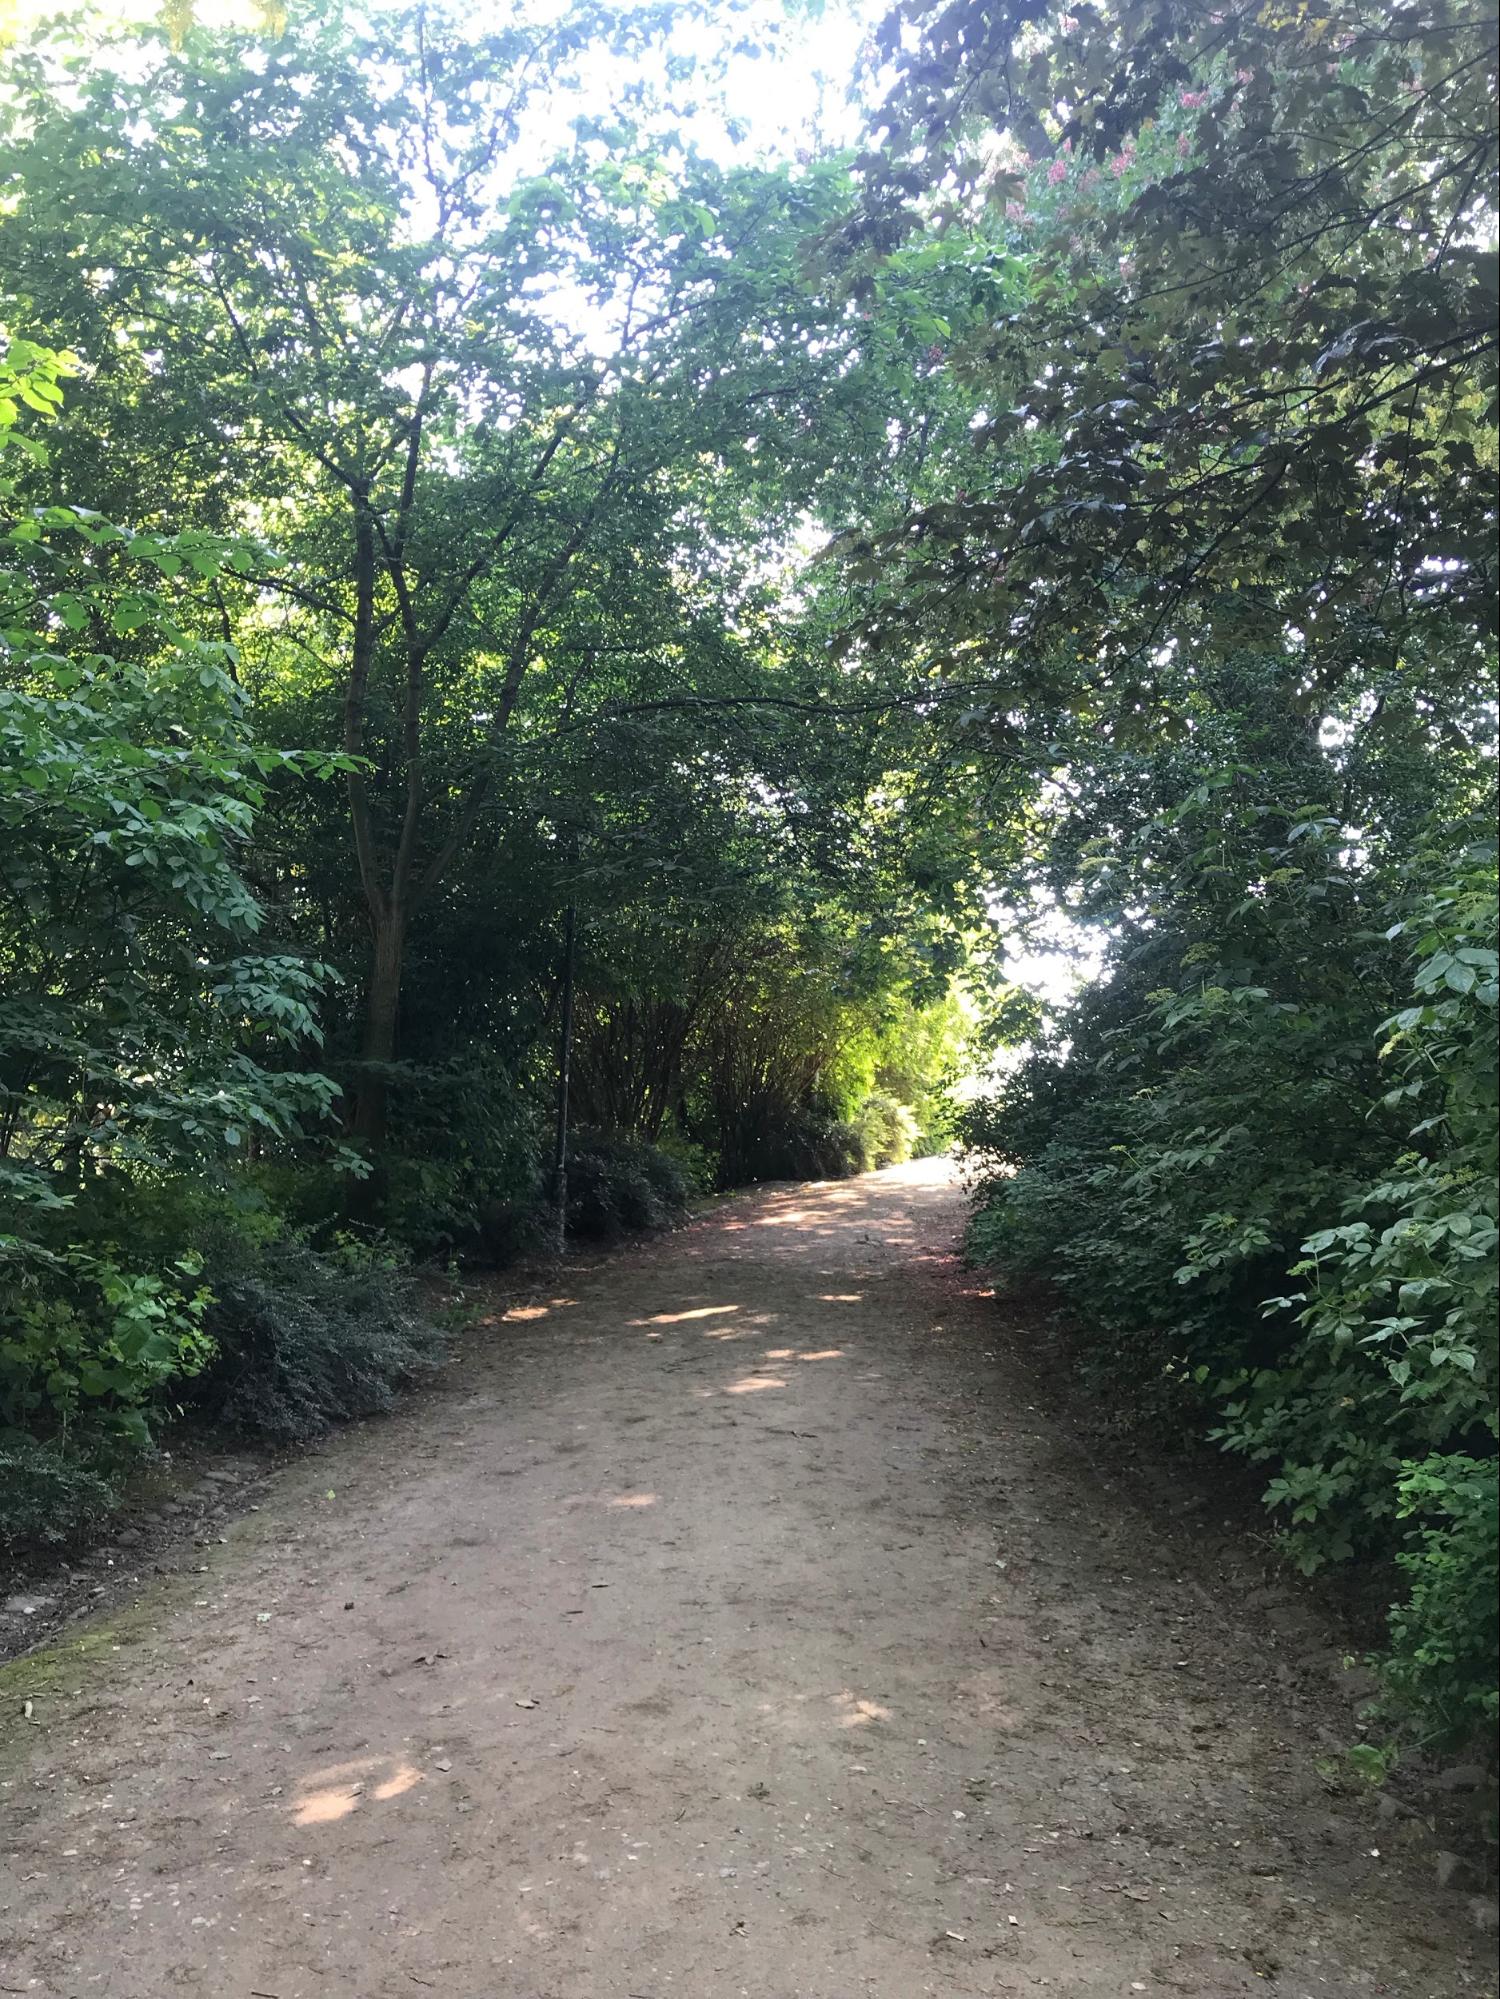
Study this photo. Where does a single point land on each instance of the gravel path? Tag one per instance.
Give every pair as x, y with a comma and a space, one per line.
731, 1625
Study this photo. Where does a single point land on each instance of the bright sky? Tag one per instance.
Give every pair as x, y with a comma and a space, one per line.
795, 95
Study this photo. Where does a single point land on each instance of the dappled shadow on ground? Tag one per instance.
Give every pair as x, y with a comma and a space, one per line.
735, 1622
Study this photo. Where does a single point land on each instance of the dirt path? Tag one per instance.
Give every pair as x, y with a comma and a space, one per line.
730, 1628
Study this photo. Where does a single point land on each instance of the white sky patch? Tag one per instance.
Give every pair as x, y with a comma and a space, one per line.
1046, 952
785, 88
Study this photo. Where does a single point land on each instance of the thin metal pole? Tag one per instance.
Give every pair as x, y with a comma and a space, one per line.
564, 1064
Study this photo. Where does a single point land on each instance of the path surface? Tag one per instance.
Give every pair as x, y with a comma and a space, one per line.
730, 1627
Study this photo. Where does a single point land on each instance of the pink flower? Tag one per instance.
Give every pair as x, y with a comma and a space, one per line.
1192, 100
1184, 144
1121, 164
1058, 171
1015, 211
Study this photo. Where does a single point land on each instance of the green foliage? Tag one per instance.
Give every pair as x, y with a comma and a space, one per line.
86, 1345
1397, 1353
49, 1492
803, 1144
888, 1131
1263, 278
618, 1184
1444, 1637
135, 1024
306, 1339
462, 1168
137, 1033
1180, 1162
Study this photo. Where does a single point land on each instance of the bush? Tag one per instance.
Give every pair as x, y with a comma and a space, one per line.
825, 1148
290, 1337
800, 1145
460, 1170
306, 1339
92, 1354
699, 1164
1396, 1360
89, 1347
619, 1184
258, 1330
888, 1131
50, 1493
94, 1347
1274, 1212
1444, 1639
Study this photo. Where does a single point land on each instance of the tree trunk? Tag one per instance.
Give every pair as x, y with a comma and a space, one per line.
382, 1010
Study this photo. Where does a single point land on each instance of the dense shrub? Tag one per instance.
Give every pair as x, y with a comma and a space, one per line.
460, 1171
95, 1347
305, 1339
619, 1184
49, 1491
1264, 1175
801, 1145
1445, 1637
105, 1340
89, 1347
145, 1030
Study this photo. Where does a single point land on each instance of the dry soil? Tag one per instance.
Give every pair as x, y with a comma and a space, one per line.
735, 1623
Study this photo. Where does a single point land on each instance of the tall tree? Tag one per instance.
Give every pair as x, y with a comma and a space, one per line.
487, 391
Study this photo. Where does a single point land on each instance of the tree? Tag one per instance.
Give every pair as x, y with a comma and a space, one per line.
139, 1020
1250, 396
324, 273
144, 1028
